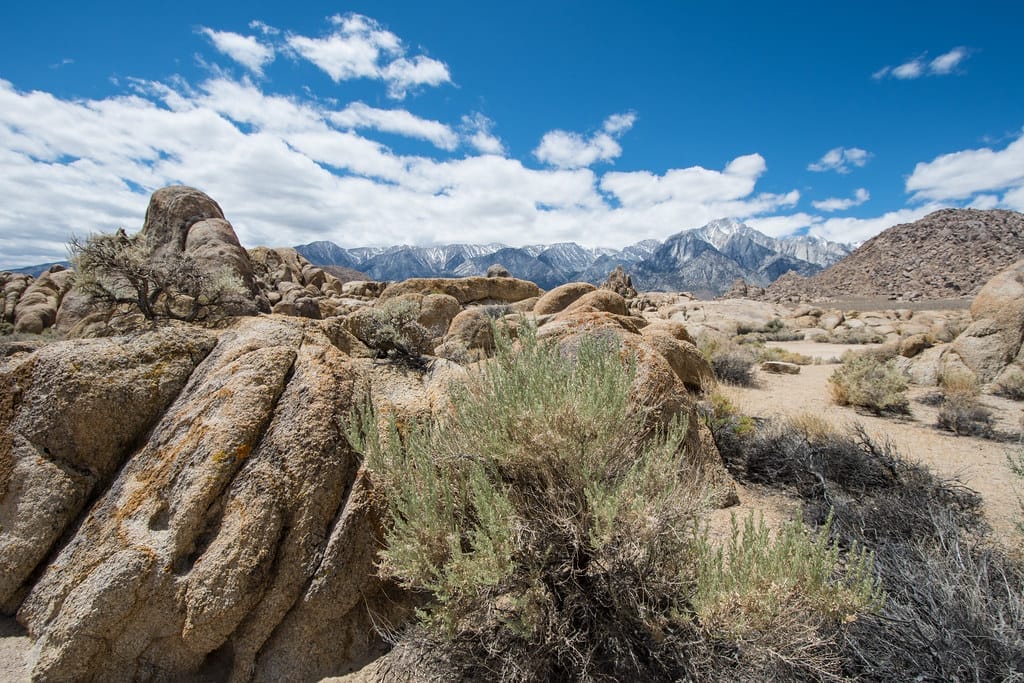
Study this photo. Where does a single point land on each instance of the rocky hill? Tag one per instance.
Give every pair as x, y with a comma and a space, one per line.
704, 260
948, 253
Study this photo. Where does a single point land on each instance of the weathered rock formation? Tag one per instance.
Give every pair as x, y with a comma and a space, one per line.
36, 308
185, 502
993, 339
620, 282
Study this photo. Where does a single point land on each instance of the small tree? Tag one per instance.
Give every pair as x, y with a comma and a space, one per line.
118, 269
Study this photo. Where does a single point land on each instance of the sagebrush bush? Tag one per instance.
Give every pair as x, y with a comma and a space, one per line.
554, 536
954, 606
1011, 386
770, 353
732, 363
963, 415
865, 382
395, 331
960, 410
859, 335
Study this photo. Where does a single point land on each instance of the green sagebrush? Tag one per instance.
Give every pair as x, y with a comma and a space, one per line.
552, 531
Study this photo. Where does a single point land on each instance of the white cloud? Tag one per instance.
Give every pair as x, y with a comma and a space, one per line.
264, 28
913, 69
1014, 199
780, 226
359, 115
945, 63
839, 204
246, 50
853, 230
617, 124
403, 74
917, 67
286, 172
359, 47
960, 175
840, 159
477, 129
565, 149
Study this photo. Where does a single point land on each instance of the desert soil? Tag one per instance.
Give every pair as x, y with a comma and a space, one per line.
978, 463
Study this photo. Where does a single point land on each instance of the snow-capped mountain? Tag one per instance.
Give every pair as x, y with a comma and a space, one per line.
705, 260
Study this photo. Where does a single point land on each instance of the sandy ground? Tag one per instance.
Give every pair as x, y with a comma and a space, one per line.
978, 463
14, 647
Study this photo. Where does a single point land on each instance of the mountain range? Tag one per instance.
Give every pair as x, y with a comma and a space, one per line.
703, 260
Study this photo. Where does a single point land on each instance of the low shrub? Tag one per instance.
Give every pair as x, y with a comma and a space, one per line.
775, 353
865, 382
773, 330
859, 335
552, 536
962, 414
1011, 386
395, 331
960, 411
732, 363
954, 606
547, 538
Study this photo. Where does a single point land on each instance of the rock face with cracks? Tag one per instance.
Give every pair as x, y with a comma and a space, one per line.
238, 526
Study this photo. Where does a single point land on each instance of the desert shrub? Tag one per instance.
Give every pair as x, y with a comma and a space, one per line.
6, 328
773, 330
553, 536
859, 335
770, 353
548, 539
880, 352
1015, 460
963, 415
723, 418
120, 270
954, 607
394, 330
865, 382
960, 411
1011, 386
732, 363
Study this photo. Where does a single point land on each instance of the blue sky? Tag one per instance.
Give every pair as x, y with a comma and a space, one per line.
599, 122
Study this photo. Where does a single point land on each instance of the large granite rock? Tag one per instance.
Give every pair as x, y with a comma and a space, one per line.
38, 304
994, 337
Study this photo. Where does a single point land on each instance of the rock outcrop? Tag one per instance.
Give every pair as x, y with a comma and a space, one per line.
993, 339
36, 308
620, 282
185, 502
947, 254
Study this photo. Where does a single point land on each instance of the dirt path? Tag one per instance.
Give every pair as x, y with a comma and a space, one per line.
978, 463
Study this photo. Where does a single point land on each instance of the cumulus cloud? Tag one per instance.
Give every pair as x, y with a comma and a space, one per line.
946, 63
359, 115
359, 47
854, 230
841, 204
477, 129
264, 28
565, 149
917, 67
840, 160
246, 50
964, 174
289, 170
